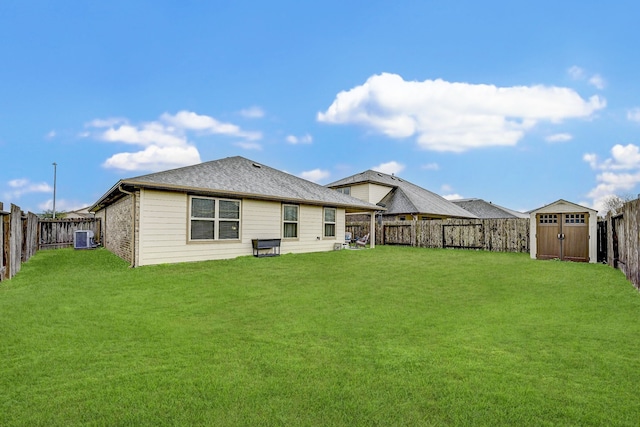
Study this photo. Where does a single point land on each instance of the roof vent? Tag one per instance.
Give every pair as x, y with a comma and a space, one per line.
379, 174
256, 165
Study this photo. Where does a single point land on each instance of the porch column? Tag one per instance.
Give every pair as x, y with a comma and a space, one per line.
372, 232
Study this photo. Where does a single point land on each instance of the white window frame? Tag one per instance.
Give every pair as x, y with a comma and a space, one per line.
217, 221
325, 222
289, 221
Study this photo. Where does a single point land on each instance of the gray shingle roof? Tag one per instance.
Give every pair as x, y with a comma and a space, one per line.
241, 177
484, 209
405, 197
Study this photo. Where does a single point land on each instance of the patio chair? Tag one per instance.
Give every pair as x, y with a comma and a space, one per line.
348, 239
362, 241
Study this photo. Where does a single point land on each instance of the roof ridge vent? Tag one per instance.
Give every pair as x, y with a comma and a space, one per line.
256, 165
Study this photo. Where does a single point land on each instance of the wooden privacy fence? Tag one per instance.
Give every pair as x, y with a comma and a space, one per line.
622, 233
497, 235
21, 235
58, 233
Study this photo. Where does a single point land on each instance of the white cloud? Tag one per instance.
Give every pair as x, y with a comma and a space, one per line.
305, 139
634, 115
623, 157
559, 137
576, 73
164, 142
315, 175
21, 186
154, 158
445, 116
580, 74
431, 167
106, 123
51, 134
446, 188
390, 168
454, 196
191, 121
253, 112
249, 145
148, 134
597, 81
619, 174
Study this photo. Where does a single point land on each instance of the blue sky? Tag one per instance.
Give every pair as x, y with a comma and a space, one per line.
518, 103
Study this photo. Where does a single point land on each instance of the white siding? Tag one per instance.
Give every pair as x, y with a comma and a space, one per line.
371, 193
164, 227
360, 191
377, 192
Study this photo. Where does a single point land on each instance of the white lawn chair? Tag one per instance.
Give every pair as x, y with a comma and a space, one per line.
362, 241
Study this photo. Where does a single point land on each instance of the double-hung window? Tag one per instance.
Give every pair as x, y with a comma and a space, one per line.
290, 221
329, 222
214, 219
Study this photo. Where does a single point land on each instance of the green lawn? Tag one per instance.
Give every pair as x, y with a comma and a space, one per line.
390, 336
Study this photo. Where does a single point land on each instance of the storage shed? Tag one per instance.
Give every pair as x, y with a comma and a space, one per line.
564, 230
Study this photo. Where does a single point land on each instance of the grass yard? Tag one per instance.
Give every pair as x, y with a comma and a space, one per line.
390, 336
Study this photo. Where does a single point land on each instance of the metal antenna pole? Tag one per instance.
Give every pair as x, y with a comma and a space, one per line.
54, 189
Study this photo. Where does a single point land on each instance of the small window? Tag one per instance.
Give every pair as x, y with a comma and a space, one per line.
344, 190
290, 221
548, 219
329, 222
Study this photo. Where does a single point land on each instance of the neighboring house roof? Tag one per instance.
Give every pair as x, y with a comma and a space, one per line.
405, 197
79, 213
237, 177
484, 209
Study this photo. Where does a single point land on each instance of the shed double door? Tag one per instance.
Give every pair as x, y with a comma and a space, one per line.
563, 236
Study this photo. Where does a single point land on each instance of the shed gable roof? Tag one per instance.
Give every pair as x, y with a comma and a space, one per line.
562, 203
405, 197
241, 177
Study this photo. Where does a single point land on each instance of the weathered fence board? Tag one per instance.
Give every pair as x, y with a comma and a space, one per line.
623, 241
498, 235
15, 240
4, 236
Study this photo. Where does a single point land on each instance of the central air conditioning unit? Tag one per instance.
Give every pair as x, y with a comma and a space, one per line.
83, 239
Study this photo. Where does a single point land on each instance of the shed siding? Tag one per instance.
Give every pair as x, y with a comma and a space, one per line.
164, 228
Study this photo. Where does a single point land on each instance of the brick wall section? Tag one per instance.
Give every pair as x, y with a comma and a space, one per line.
117, 227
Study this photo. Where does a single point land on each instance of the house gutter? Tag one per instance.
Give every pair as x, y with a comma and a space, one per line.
133, 228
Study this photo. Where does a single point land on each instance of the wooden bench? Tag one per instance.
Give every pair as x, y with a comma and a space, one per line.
261, 245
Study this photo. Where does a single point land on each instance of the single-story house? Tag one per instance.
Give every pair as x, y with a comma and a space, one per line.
79, 214
403, 200
564, 230
216, 209
487, 210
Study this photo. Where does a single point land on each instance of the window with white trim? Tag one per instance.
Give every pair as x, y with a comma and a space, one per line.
213, 219
344, 190
290, 221
329, 222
